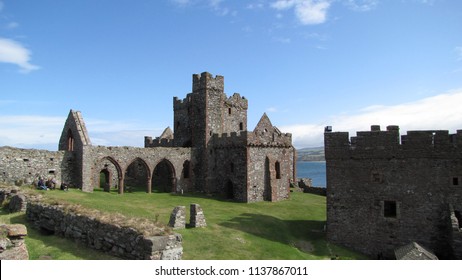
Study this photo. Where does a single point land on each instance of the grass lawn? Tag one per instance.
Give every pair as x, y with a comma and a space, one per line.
291, 229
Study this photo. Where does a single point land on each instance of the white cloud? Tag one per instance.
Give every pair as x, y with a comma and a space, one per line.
283, 40
181, 2
14, 53
12, 25
307, 11
25, 131
36, 131
433, 113
362, 5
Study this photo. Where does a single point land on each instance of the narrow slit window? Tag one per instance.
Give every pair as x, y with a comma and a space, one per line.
455, 181
278, 170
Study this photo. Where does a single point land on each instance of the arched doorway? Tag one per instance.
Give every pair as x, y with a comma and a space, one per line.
163, 178
108, 175
137, 176
105, 179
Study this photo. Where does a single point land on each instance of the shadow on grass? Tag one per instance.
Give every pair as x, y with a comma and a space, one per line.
307, 236
58, 246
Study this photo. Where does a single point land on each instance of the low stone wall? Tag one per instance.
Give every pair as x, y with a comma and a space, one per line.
307, 186
120, 241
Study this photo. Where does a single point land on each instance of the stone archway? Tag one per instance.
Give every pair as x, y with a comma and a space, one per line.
163, 178
137, 176
108, 167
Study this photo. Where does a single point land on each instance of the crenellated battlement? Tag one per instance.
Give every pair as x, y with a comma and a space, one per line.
157, 142
237, 101
206, 81
270, 139
388, 143
233, 139
179, 103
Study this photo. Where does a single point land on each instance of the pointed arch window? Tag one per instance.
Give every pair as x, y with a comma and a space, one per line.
70, 141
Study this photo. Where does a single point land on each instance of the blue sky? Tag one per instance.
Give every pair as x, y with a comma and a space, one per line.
306, 63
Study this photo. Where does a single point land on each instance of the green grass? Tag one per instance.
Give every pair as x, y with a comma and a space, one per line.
291, 229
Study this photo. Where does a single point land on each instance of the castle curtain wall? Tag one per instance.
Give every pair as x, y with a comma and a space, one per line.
383, 193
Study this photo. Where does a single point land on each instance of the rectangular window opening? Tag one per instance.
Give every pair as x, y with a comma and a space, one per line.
390, 209
455, 181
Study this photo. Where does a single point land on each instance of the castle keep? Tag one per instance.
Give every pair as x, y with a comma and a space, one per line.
384, 191
209, 150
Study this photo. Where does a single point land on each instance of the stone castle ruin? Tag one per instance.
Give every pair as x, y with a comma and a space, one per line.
385, 191
209, 150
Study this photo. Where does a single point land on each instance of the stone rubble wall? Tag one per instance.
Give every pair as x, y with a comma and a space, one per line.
122, 242
25, 166
306, 185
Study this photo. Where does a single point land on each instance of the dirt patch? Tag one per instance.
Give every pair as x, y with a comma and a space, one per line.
304, 246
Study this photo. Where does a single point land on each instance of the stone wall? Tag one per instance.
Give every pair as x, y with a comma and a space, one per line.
306, 185
229, 172
383, 193
25, 166
264, 181
121, 241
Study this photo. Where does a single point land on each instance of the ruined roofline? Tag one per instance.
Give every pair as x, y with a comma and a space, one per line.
390, 143
81, 127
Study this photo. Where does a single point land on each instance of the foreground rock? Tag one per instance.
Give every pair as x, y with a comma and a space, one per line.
12, 245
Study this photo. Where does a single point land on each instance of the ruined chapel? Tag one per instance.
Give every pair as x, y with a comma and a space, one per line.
209, 150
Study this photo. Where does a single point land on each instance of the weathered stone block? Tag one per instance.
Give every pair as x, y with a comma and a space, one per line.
197, 218
178, 218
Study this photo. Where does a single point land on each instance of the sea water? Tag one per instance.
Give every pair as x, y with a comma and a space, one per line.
316, 170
